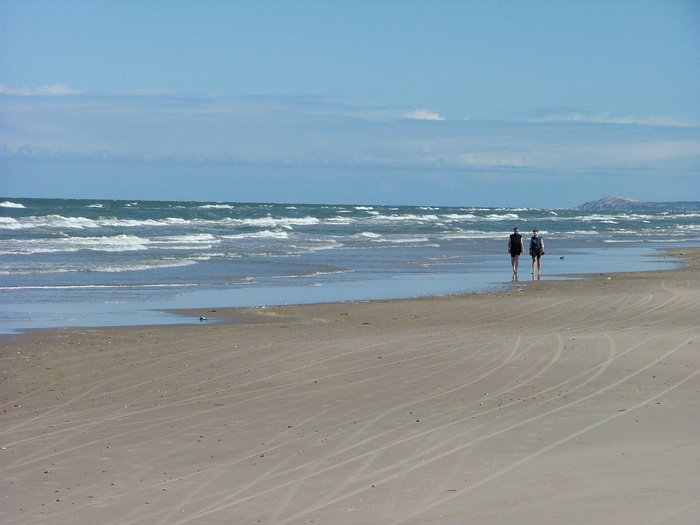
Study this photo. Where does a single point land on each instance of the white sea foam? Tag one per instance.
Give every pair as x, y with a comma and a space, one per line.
324, 244
95, 267
460, 217
340, 221
117, 243
471, 234
578, 233
262, 234
279, 222
58, 221
83, 244
80, 223
8, 223
408, 218
10, 204
615, 218
99, 286
502, 217
403, 240
151, 265
189, 239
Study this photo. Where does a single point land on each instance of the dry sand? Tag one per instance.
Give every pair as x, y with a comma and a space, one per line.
560, 402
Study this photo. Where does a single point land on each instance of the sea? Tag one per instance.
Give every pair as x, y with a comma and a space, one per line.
87, 263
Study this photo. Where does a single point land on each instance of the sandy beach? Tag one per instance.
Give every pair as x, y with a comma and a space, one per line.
571, 402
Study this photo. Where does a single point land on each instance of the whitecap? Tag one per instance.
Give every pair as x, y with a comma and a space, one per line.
459, 217
217, 206
11, 224
403, 240
263, 234
10, 204
503, 217
406, 218
117, 243
286, 222
100, 267
194, 238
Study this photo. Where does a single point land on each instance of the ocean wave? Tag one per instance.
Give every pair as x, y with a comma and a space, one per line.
80, 236
55, 221
601, 220
47, 221
97, 267
616, 217
187, 239
8, 223
403, 240
502, 217
262, 234
217, 207
117, 243
473, 234
322, 244
460, 217
404, 218
685, 228
340, 221
80, 223
583, 232
98, 286
10, 204
278, 222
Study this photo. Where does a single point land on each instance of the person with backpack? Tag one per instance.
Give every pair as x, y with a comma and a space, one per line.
536, 251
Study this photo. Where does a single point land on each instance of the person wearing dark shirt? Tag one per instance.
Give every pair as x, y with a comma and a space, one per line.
515, 248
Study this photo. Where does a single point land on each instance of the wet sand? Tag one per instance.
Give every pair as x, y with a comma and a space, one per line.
558, 402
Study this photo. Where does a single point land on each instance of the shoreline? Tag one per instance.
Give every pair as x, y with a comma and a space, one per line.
686, 258
48, 312
571, 401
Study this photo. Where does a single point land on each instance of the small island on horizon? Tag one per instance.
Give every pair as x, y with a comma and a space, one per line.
627, 204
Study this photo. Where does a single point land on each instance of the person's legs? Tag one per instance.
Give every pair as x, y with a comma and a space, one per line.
514, 263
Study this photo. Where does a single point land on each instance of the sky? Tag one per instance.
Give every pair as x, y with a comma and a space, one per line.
542, 103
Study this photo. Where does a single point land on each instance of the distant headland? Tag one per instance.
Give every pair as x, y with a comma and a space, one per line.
627, 204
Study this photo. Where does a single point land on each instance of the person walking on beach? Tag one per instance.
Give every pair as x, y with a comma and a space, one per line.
515, 248
536, 251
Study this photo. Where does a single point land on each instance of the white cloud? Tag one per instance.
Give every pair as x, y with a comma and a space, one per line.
311, 132
423, 114
571, 115
52, 90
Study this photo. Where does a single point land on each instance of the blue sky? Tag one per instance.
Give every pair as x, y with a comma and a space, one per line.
500, 103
